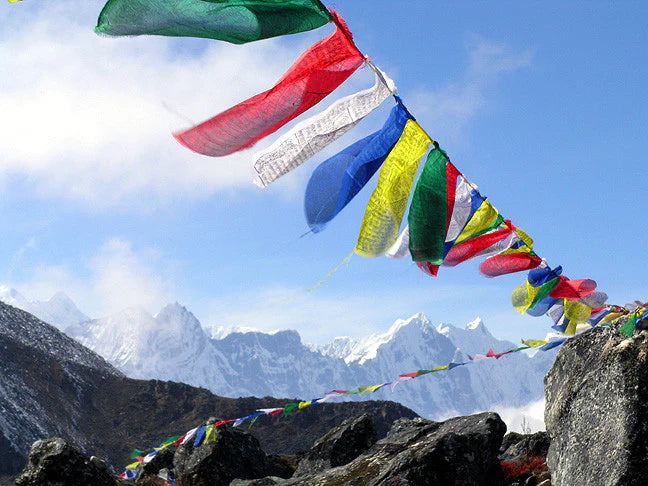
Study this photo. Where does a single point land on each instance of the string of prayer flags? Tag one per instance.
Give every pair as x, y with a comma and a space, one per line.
236, 21
208, 433
313, 135
386, 207
337, 180
317, 73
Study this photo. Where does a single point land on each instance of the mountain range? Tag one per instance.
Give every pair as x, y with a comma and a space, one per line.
172, 345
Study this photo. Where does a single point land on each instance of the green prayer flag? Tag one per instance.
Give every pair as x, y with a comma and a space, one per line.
629, 326
137, 453
428, 212
289, 407
544, 291
235, 21
170, 440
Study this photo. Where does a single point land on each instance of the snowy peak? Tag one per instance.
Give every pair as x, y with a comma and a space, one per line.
178, 317
169, 346
221, 332
13, 297
59, 310
473, 338
401, 333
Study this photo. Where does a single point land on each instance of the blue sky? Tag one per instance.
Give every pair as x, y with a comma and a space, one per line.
541, 105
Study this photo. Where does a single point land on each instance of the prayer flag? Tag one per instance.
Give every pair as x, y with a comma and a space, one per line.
387, 204
400, 249
336, 181
211, 435
573, 289
313, 135
189, 436
318, 71
506, 263
487, 243
200, 435
428, 213
236, 21
629, 327
136, 453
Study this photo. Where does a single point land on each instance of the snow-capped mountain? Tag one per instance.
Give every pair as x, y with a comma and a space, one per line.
169, 346
279, 364
58, 311
173, 346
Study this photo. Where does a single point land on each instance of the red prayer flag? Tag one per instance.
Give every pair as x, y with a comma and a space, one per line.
474, 246
451, 174
427, 267
409, 375
509, 263
573, 289
317, 72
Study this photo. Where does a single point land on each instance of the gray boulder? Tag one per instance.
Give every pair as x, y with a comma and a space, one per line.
235, 454
340, 446
54, 462
460, 451
596, 415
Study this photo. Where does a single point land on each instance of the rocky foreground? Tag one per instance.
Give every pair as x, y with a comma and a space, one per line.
460, 451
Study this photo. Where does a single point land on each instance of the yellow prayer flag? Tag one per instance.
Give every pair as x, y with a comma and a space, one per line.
534, 343
305, 404
387, 204
577, 313
523, 296
528, 241
483, 218
610, 317
211, 435
371, 388
132, 466
441, 368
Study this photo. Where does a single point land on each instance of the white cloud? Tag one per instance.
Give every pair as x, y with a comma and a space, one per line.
320, 316
449, 108
527, 419
125, 278
84, 117
116, 277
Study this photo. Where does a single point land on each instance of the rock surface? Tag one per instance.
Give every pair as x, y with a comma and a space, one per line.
340, 446
596, 414
459, 451
234, 454
54, 462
